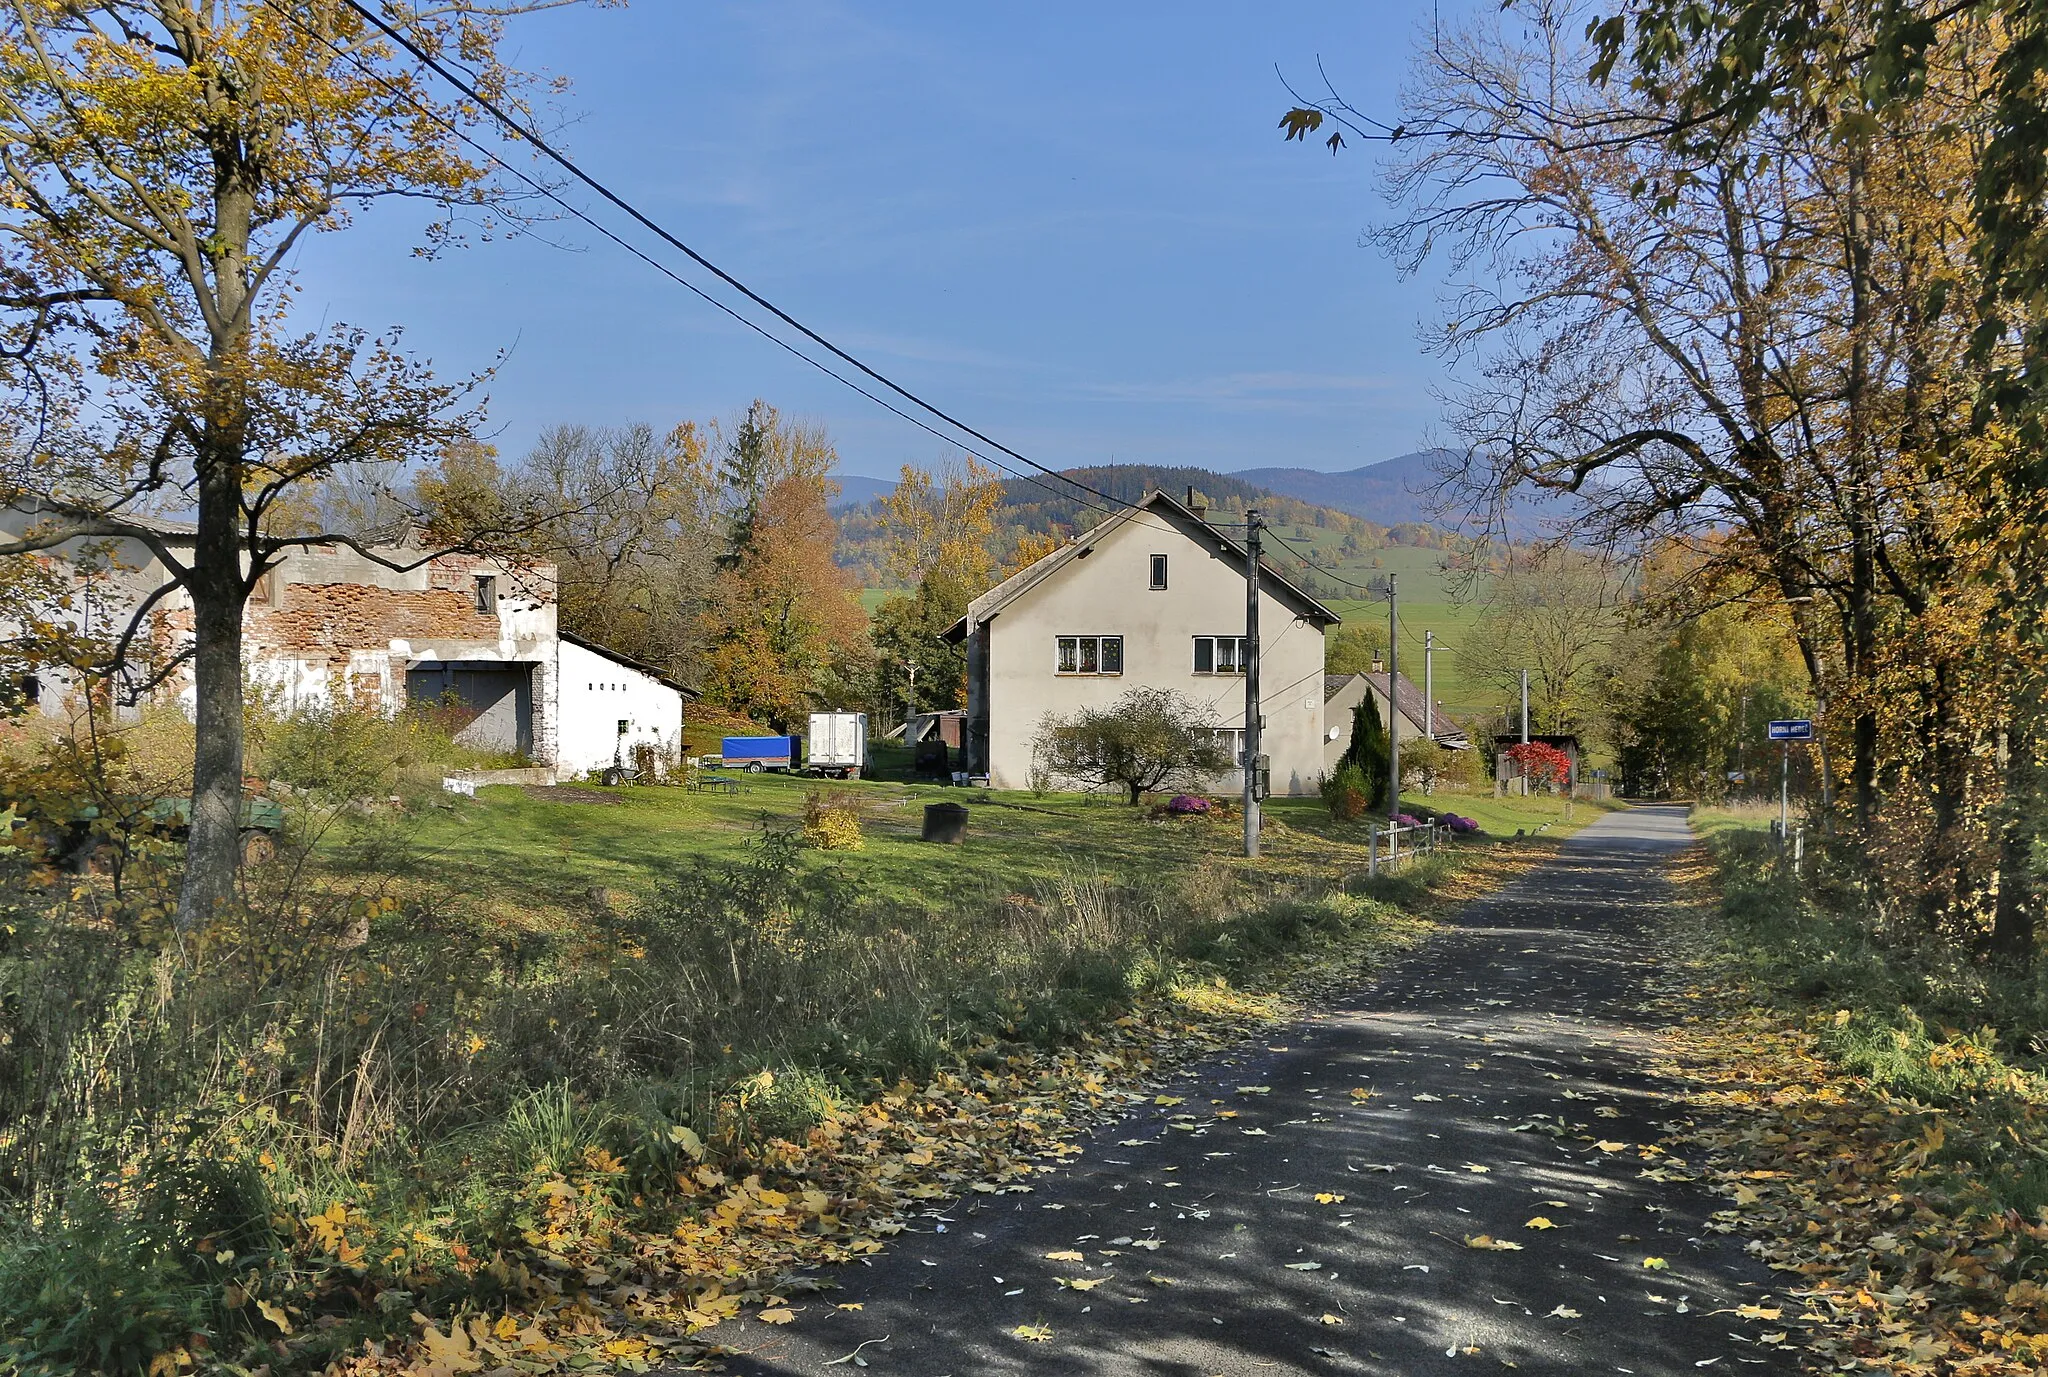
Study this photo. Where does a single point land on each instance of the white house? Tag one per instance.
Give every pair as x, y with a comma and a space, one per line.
476, 632
1154, 596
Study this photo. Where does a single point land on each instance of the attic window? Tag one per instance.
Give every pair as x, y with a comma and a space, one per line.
1159, 571
487, 594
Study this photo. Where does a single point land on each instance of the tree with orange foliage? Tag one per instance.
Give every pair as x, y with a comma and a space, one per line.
781, 611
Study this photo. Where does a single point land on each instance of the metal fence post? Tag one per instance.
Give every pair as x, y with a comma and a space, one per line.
1372, 864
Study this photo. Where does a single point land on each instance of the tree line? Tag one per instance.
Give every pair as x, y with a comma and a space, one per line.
1757, 281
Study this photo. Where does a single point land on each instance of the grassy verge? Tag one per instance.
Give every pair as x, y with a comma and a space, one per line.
1874, 1108
558, 1078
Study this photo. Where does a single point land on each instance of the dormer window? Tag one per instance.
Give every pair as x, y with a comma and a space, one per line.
1158, 571
487, 594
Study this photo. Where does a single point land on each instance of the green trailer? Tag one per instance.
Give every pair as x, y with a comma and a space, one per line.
84, 842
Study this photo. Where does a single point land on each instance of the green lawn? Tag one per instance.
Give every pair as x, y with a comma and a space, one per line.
526, 855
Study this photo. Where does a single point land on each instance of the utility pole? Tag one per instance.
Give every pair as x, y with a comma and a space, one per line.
1429, 682
1521, 775
1252, 526
1393, 697
910, 703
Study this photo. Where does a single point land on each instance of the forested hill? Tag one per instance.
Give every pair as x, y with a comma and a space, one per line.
1046, 506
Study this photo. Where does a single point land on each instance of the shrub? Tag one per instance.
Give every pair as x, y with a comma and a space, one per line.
1540, 761
1346, 791
832, 820
1187, 803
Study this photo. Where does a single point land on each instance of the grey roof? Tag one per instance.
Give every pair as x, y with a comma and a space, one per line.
1185, 520
1445, 731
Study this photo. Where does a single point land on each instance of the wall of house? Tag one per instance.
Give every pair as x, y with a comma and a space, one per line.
1337, 712
596, 694
1107, 593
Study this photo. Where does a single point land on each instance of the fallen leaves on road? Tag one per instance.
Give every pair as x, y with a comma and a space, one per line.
1492, 1244
1067, 1255
1033, 1333
1539, 1222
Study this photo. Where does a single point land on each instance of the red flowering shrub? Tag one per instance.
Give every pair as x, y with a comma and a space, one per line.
1540, 761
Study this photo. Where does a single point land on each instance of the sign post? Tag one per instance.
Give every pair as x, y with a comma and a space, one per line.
1785, 732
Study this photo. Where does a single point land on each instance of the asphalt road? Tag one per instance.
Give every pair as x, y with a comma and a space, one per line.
1508, 1065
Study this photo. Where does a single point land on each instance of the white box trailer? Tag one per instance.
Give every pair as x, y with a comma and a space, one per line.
838, 744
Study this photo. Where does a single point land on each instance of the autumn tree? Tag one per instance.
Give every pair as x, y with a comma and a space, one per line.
1554, 614
629, 530
780, 611
164, 165
1746, 331
941, 538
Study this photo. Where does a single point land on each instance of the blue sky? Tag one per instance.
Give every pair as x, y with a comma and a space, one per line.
1075, 226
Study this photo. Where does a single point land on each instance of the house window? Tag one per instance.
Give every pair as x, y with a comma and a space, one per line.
487, 594
1231, 739
1159, 571
1219, 655
1090, 655
623, 725
31, 689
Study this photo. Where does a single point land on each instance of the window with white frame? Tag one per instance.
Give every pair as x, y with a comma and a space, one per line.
1089, 655
1159, 571
1219, 655
1231, 739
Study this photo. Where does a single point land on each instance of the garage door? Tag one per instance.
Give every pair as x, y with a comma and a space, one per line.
497, 698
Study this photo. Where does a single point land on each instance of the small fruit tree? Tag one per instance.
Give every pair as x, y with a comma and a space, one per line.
1541, 762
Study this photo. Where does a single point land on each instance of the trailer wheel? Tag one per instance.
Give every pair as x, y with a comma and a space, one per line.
258, 847
755, 768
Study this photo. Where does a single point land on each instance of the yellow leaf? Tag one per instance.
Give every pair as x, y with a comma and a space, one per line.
1759, 1312
851, 1305
781, 1314
1495, 1245
1359, 1092
1255, 1090
626, 1348
1609, 1145
275, 1314
1656, 1264
1065, 1255
1476, 1169
1328, 1198
1539, 1222
1080, 1283
1168, 1099
1033, 1333
1331, 1319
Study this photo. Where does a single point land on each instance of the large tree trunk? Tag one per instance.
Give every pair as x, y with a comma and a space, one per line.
216, 587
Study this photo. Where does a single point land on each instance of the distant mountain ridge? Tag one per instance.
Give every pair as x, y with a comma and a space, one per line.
1402, 489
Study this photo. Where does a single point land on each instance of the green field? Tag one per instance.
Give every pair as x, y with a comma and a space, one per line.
524, 854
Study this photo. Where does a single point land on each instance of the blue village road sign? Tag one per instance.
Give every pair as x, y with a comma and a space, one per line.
1796, 729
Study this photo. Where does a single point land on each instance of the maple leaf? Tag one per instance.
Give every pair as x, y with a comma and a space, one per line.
1080, 1283
1328, 1198
1656, 1264
1609, 1145
1563, 1312
780, 1314
1331, 1319
1066, 1255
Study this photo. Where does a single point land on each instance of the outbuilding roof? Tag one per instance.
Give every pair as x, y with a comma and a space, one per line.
629, 662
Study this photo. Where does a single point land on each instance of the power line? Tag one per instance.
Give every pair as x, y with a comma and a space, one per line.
668, 272
533, 137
